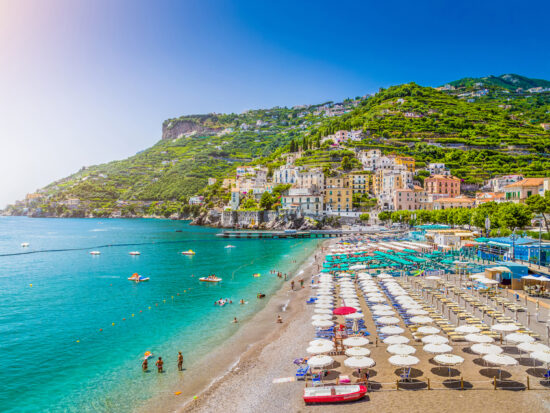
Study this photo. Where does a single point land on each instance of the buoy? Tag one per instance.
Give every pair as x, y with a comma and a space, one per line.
123, 319
78, 341
163, 301
100, 329
132, 315
149, 308
141, 311
113, 323
177, 393
30, 285
156, 304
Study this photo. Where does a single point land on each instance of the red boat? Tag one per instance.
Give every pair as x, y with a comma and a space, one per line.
334, 394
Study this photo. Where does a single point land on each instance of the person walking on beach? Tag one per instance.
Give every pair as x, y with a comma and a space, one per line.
180, 361
302, 282
279, 319
292, 285
144, 364
159, 364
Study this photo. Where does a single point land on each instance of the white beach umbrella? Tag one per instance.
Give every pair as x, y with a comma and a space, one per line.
324, 305
321, 317
500, 359
437, 348
376, 294
428, 330
466, 329
357, 352
519, 338
359, 362
448, 359
320, 349
322, 323
355, 341
381, 307
387, 320
504, 327
354, 316
396, 340
417, 311
357, 267
532, 347
542, 356
322, 311
391, 330
421, 319
432, 278
486, 348
401, 349
376, 299
435, 339
383, 313
383, 276
320, 341
320, 361
411, 305
370, 290
478, 338
403, 361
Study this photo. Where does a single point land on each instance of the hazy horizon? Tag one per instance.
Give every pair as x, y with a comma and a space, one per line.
88, 83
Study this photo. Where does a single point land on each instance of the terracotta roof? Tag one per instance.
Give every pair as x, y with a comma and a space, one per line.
526, 182
466, 200
443, 177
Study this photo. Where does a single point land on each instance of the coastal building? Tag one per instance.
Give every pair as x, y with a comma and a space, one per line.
228, 183
211, 181
442, 184
521, 190
406, 161
286, 175
245, 170
311, 178
196, 200
498, 183
373, 160
437, 169
456, 202
359, 182
484, 197
303, 200
235, 200
338, 195
405, 199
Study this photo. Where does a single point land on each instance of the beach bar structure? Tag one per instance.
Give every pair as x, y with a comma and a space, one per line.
518, 248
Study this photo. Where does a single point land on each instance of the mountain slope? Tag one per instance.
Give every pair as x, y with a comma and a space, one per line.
507, 81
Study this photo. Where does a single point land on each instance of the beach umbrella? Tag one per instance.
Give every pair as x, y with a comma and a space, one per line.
466, 329
519, 338
321, 317
357, 267
376, 294
532, 347
359, 362
320, 348
391, 330
401, 349
387, 320
383, 275
486, 348
448, 360
434, 339
322, 323
542, 356
500, 360
504, 327
381, 313
396, 340
432, 278
416, 311
421, 319
355, 341
403, 361
320, 361
354, 316
324, 305
478, 338
437, 348
370, 290
320, 341
357, 352
381, 307
322, 311
428, 330
376, 299
344, 310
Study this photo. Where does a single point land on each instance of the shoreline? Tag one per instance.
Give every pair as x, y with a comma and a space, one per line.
203, 377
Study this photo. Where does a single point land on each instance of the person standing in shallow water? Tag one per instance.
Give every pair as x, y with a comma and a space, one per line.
159, 364
144, 364
180, 361
292, 285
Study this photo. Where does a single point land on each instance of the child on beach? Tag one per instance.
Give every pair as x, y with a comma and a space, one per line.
279, 319
292, 285
159, 364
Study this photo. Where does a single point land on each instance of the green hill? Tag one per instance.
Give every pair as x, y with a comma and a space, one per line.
507, 81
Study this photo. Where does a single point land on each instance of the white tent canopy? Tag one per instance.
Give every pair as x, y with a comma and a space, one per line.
320, 361
359, 362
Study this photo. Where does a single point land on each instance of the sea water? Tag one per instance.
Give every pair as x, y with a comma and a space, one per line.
73, 329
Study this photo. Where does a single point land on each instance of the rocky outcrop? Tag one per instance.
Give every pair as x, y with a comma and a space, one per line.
174, 129
211, 218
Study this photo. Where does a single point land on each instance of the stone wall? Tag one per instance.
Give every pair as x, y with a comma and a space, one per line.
232, 219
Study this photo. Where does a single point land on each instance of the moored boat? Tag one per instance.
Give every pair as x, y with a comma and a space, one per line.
334, 394
25, 244
138, 278
210, 279
188, 252
135, 253
95, 252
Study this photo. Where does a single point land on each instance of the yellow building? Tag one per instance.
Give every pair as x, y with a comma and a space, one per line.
338, 194
360, 183
407, 161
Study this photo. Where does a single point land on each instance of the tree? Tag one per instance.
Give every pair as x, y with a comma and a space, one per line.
384, 216
540, 205
364, 217
249, 203
347, 164
513, 216
266, 202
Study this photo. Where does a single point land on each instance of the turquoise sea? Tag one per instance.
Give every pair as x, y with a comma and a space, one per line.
56, 359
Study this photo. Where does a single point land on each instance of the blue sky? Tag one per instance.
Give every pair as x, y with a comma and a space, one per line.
88, 82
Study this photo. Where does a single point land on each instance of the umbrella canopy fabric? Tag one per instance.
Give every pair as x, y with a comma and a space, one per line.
434, 339
344, 310
357, 352
376, 299
320, 341
321, 317
320, 361
355, 341
324, 305
322, 311
320, 348
532, 347
504, 327
500, 359
391, 330
466, 329
354, 316
478, 338
401, 349
384, 313
396, 340
417, 311
322, 323
542, 356
437, 348
421, 319
428, 330
403, 361
388, 320
486, 348
448, 359
519, 338
381, 307
359, 362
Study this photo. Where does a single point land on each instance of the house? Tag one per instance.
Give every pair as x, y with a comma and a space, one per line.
211, 181
498, 183
545, 126
521, 190
359, 182
228, 183
338, 195
245, 170
196, 200
437, 169
405, 199
484, 197
312, 178
458, 202
235, 200
286, 175
303, 200
442, 184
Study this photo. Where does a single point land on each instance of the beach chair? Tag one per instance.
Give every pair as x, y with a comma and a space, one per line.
406, 374
316, 380
302, 372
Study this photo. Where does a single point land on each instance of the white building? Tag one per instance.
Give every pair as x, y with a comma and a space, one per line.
497, 184
286, 175
303, 200
235, 200
437, 169
312, 178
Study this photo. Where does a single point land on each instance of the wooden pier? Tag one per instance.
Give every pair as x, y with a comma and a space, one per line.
334, 233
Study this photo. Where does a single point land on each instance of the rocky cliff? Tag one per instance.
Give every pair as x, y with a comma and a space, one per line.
175, 128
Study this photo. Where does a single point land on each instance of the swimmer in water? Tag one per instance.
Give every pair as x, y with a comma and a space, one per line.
235, 320
242, 301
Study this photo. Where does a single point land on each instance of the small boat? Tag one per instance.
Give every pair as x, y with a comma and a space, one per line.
95, 252
210, 279
138, 278
256, 275
188, 252
135, 253
334, 394
25, 244
230, 246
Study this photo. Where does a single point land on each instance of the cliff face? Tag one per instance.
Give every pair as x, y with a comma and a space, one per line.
175, 128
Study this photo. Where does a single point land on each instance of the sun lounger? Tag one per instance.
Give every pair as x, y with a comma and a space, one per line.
302, 372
